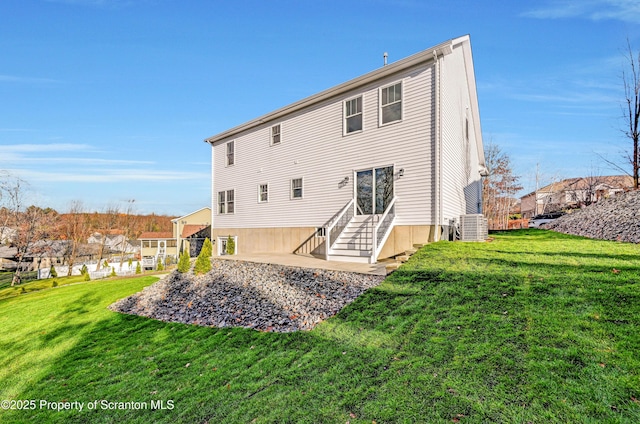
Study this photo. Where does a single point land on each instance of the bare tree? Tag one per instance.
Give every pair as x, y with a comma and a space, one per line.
108, 221
631, 109
75, 230
499, 187
29, 224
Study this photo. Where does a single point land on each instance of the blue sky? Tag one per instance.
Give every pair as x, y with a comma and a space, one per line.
106, 101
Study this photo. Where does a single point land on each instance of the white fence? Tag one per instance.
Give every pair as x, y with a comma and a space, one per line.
63, 270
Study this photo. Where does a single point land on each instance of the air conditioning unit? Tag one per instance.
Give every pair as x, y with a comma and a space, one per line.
473, 227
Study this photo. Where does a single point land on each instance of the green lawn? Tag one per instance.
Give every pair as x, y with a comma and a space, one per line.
533, 327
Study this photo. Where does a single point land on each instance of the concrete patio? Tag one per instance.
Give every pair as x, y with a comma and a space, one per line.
308, 262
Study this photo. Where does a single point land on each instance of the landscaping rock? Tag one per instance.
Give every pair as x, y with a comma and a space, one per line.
616, 218
261, 296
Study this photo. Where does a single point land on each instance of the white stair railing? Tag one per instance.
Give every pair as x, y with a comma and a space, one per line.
382, 229
336, 225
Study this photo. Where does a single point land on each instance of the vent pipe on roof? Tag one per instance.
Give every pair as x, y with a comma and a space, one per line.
385, 56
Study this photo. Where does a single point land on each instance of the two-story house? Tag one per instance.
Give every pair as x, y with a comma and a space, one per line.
360, 171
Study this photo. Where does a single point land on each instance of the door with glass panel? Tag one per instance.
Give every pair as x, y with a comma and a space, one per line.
374, 190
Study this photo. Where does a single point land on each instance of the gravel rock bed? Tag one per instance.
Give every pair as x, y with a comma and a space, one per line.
261, 296
616, 218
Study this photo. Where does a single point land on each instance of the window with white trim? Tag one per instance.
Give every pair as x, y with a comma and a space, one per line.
226, 203
263, 193
391, 103
231, 150
276, 134
353, 115
296, 188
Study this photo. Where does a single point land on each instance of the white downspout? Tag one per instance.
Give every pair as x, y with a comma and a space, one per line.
438, 148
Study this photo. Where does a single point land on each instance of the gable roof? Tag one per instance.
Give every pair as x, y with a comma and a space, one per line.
424, 56
188, 230
189, 214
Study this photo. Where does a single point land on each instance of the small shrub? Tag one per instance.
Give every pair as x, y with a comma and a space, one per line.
54, 283
113, 272
203, 264
130, 263
84, 270
105, 264
138, 268
87, 277
52, 272
231, 246
160, 266
207, 247
22, 290
184, 263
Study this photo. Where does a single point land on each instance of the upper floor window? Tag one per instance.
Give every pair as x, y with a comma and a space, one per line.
231, 153
353, 115
391, 103
275, 134
296, 188
226, 201
263, 193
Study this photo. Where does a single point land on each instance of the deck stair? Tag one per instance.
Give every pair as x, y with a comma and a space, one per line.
355, 241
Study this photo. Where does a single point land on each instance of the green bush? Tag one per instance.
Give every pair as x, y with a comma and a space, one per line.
207, 247
87, 277
160, 266
105, 264
84, 270
231, 246
52, 272
113, 272
138, 268
203, 264
54, 283
184, 263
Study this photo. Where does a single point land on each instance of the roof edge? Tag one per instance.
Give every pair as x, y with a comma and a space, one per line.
427, 55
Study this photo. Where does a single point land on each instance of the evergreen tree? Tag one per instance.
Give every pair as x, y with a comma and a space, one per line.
231, 246
52, 272
207, 247
138, 268
203, 264
185, 262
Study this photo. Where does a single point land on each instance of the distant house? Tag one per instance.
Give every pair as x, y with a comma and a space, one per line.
188, 234
573, 193
113, 243
360, 171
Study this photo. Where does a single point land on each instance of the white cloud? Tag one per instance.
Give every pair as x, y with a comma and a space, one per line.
112, 176
622, 10
53, 147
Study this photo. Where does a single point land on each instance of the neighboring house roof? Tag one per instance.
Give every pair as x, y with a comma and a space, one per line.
387, 70
7, 252
156, 235
584, 183
190, 230
189, 214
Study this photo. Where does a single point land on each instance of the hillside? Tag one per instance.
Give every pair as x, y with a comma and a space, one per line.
616, 218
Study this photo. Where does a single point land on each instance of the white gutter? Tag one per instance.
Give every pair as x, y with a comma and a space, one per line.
438, 150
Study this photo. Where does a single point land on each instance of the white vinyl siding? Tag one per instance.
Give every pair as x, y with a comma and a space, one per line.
461, 183
353, 115
391, 103
317, 149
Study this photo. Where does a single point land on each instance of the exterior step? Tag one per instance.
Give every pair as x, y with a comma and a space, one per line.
410, 252
402, 258
350, 252
340, 258
418, 245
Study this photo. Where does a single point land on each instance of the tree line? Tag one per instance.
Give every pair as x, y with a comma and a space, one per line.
27, 228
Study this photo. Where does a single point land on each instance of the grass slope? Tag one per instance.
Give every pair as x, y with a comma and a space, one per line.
532, 327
